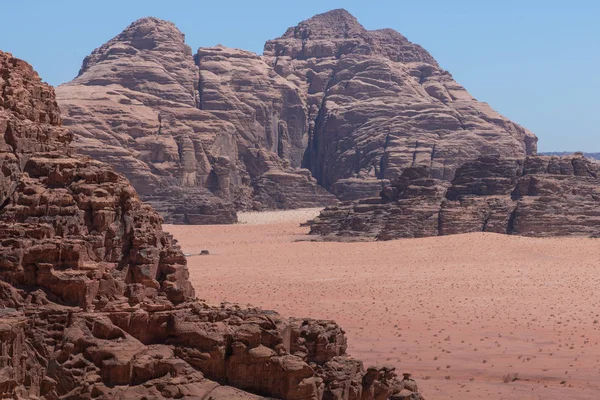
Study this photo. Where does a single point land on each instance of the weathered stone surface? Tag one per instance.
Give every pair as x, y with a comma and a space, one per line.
379, 104
267, 110
354, 107
95, 300
283, 190
358, 188
191, 140
593, 156
531, 196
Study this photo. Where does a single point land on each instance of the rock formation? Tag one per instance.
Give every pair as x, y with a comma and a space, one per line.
379, 104
593, 156
191, 140
354, 107
95, 300
531, 196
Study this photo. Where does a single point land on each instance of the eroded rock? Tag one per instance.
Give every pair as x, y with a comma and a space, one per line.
95, 300
229, 129
193, 137
531, 196
378, 104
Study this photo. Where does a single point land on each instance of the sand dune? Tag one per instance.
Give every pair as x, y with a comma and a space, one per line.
471, 316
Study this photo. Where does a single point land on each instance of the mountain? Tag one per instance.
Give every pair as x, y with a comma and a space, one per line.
329, 105
95, 300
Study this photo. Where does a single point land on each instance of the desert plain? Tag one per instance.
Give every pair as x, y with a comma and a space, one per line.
471, 316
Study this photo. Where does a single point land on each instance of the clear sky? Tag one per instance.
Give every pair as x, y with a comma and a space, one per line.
537, 62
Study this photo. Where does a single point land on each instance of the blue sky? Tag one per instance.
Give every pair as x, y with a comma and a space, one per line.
537, 62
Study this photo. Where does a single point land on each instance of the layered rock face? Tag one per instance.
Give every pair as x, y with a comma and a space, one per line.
593, 156
353, 107
532, 196
379, 104
95, 300
139, 104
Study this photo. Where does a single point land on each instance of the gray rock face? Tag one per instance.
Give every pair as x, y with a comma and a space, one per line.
207, 134
531, 196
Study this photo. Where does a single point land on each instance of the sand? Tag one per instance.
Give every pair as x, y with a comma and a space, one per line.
275, 217
463, 313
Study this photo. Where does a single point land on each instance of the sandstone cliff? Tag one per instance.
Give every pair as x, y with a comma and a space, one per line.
379, 104
95, 300
193, 141
532, 196
328, 102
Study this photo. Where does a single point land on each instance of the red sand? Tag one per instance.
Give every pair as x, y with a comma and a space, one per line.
463, 313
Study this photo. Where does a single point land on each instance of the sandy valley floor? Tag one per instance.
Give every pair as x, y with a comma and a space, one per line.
463, 313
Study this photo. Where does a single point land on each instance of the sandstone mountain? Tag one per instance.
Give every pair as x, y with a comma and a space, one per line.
193, 141
95, 300
532, 196
329, 102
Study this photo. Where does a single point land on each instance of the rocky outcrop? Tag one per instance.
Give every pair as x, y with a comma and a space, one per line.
197, 134
358, 188
593, 156
95, 300
379, 104
191, 140
532, 196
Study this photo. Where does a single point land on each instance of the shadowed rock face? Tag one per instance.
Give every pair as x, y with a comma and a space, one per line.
354, 107
531, 196
95, 300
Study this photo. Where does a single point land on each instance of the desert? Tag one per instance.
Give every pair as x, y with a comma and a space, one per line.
95, 298
306, 205
471, 316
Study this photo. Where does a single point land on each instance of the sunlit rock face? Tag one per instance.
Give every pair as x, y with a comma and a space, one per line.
379, 104
202, 134
95, 300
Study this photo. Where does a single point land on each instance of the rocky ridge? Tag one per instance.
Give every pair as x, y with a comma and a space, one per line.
593, 156
329, 102
95, 300
380, 104
532, 196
